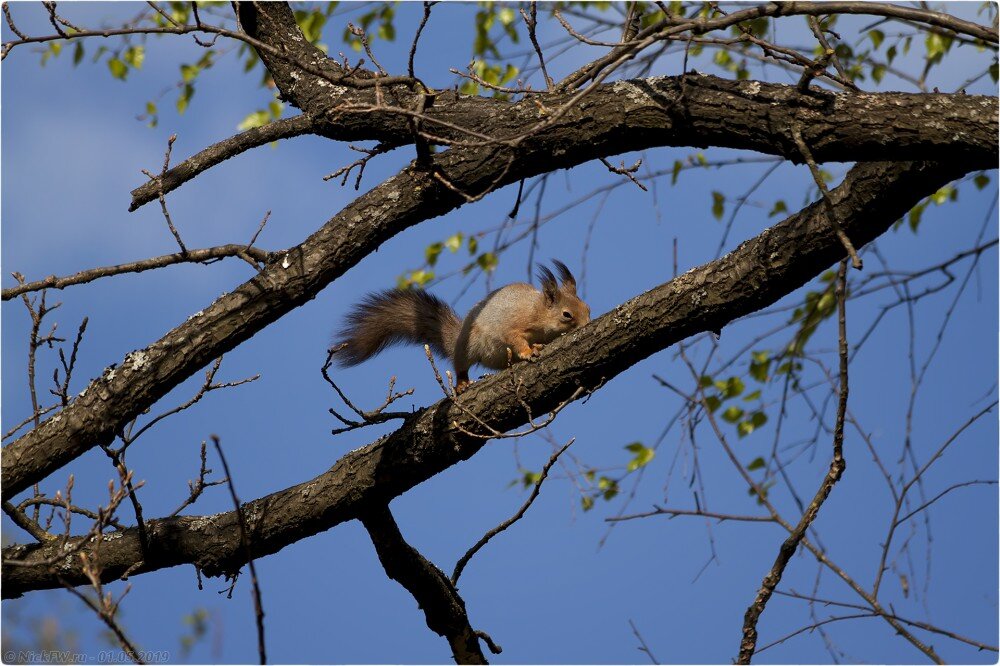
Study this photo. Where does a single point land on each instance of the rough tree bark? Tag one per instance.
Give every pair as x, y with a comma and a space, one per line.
950, 135
620, 117
706, 298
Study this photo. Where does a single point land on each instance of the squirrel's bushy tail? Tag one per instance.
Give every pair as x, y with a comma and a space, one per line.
388, 317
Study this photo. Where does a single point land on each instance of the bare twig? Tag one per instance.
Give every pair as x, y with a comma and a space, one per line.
642, 643
27, 524
362, 162
61, 391
628, 172
106, 607
837, 465
673, 513
913, 623
830, 208
191, 256
10, 23
198, 487
464, 560
284, 128
159, 194
416, 38
258, 606
530, 20
369, 417
360, 34
207, 386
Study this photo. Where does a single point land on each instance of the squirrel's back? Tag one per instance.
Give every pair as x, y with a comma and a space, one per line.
511, 324
392, 316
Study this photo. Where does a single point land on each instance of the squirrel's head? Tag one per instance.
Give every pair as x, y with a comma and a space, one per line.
567, 311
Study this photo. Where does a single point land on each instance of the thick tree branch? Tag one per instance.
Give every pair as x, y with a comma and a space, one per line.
640, 114
437, 597
756, 274
750, 115
219, 152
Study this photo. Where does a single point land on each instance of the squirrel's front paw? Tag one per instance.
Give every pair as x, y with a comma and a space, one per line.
536, 351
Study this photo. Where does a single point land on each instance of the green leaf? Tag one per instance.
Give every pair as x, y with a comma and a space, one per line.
730, 388
643, 455
981, 181
878, 72
758, 419
454, 243
119, 70
677, 170
779, 207
705, 381
151, 108
189, 72
995, 71
937, 45
508, 74
275, 107
432, 252
587, 502
712, 402
473, 244
487, 261
915, 214
750, 397
877, 37
255, 119
744, 428
187, 92
755, 464
943, 195
718, 205
760, 366
134, 56
732, 414
529, 478
890, 55
420, 277
77, 53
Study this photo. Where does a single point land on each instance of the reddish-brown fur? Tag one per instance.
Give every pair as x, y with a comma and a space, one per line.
511, 324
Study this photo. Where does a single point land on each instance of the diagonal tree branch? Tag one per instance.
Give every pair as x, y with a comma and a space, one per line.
436, 595
756, 274
217, 153
640, 114
750, 114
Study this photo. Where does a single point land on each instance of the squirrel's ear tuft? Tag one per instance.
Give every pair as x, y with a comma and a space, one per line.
568, 281
549, 286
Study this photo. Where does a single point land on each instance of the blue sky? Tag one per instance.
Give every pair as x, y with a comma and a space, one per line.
72, 150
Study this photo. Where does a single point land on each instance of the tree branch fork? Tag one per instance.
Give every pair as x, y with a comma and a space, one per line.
754, 275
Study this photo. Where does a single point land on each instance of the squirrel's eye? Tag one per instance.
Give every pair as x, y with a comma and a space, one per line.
567, 314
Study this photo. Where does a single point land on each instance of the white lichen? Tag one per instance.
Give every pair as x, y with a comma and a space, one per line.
138, 359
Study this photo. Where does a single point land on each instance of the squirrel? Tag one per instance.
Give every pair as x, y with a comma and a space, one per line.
511, 324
